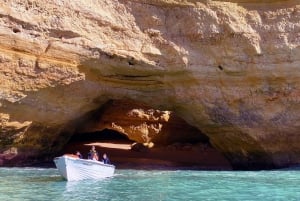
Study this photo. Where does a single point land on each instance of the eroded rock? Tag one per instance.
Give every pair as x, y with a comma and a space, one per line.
228, 68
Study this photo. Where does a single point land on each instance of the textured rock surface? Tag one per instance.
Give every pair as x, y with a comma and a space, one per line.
231, 69
140, 123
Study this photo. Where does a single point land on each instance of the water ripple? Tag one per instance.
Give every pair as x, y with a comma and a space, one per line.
45, 185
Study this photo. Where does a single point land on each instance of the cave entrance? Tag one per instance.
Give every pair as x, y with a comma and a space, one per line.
107, 141
135, 135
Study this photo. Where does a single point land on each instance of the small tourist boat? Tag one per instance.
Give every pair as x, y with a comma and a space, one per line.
73, 168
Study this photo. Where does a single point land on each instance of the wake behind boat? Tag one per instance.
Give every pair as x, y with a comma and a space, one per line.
74, 169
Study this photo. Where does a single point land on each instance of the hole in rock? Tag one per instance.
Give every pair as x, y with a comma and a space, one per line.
137, 136
16, 30
131, 62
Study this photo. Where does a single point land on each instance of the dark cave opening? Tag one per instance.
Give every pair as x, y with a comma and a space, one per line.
178, 145
124, 154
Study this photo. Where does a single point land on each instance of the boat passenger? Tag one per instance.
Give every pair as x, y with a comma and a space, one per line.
93, 154
78, 154
105, 159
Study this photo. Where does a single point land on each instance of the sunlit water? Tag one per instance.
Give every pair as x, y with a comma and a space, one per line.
46, 184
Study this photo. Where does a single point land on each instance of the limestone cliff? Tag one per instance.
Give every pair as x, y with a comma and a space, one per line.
229, 68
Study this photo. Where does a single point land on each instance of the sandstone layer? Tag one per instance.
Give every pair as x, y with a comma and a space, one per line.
228, 68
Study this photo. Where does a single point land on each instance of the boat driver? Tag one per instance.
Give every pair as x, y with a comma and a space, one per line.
93, 154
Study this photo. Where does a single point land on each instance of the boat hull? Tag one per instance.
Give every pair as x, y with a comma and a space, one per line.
74, 169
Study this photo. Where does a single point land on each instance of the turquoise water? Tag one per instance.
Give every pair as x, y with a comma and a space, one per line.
45, 184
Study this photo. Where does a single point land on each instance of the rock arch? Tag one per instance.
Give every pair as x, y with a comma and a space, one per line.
132, 131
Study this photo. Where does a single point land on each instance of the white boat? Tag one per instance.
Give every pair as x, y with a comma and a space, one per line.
74, 169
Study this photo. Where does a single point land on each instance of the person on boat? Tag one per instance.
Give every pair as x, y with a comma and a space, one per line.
78, 154
105, 159
93, 154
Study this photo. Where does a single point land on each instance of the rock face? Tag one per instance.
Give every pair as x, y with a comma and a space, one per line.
230, 69
140, 123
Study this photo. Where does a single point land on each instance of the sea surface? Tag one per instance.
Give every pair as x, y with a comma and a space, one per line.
37, 184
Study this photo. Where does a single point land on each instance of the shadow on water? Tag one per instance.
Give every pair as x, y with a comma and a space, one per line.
45, 179
291, 168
